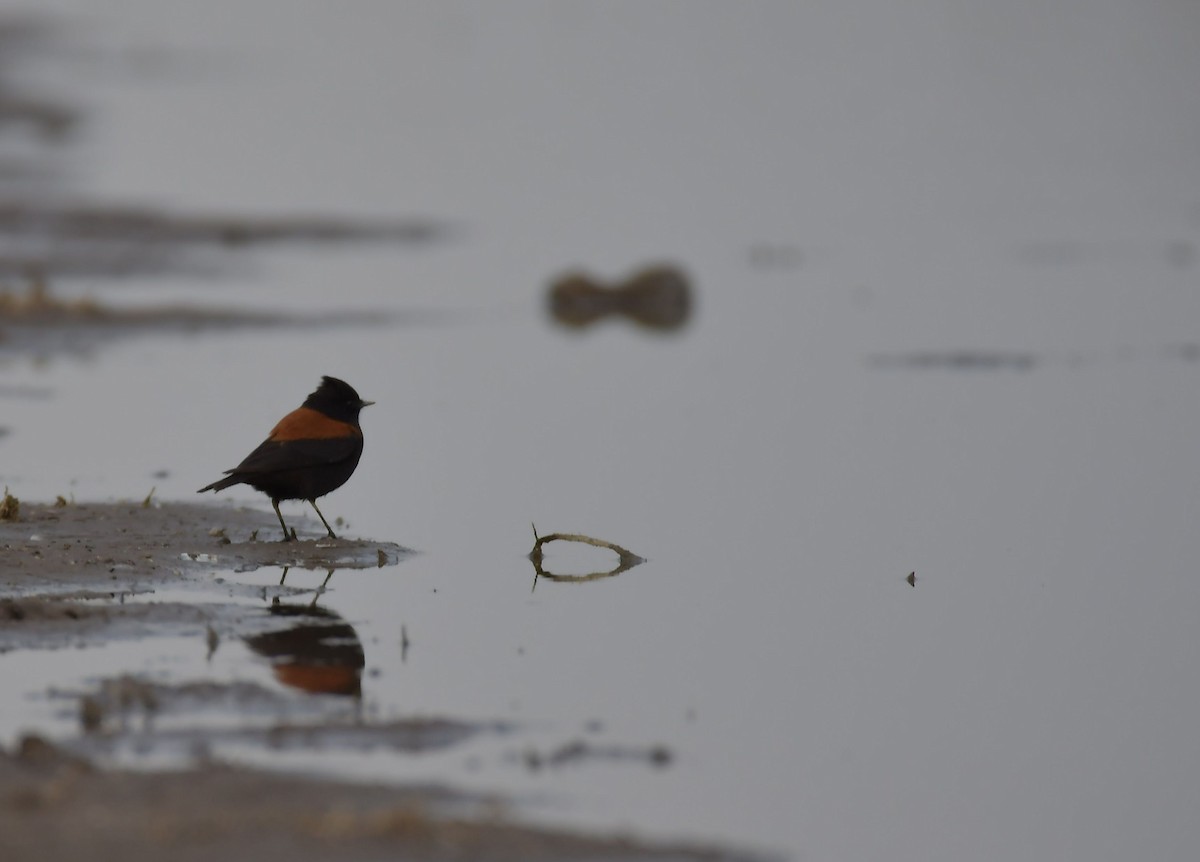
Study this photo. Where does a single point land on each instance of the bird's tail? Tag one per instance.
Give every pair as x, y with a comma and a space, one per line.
221, 484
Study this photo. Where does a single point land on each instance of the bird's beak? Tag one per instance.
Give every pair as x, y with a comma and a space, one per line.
363, 403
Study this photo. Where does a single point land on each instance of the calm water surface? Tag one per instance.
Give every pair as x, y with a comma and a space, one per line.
870, 203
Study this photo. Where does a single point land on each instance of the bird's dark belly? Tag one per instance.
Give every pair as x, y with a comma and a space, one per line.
303, 483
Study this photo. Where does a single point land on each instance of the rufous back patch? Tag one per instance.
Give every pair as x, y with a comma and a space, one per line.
304, 423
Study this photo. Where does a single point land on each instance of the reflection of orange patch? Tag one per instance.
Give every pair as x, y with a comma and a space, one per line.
304, 423
315, 679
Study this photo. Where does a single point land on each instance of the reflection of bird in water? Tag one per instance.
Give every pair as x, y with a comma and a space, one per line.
320, 654
657, 297
310, 452
320, 589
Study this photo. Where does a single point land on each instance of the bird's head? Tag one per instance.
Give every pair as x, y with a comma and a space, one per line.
337, 399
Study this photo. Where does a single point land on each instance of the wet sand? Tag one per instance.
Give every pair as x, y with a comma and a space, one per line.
57, 807
54, 549
69, 570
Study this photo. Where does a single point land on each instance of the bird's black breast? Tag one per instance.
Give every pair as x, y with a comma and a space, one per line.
301, 469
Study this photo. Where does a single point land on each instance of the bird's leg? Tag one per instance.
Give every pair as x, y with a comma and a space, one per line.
332, 535
287, 537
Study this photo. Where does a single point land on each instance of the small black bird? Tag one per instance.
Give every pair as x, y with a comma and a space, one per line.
312, 451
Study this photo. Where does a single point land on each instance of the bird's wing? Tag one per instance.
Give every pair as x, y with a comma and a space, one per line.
274, 455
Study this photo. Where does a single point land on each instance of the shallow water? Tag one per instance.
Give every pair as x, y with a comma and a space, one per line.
861, 197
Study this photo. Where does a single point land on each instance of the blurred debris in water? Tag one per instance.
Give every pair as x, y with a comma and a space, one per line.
775, 256
957, 360
36, 304
577, 751
45, 228
39, 323
10, 507
657, 297
106, 240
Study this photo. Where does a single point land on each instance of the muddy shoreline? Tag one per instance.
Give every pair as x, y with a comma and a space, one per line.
56, 806
133, 546
80, 575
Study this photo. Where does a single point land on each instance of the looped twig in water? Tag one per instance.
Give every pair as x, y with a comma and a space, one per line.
626, 559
